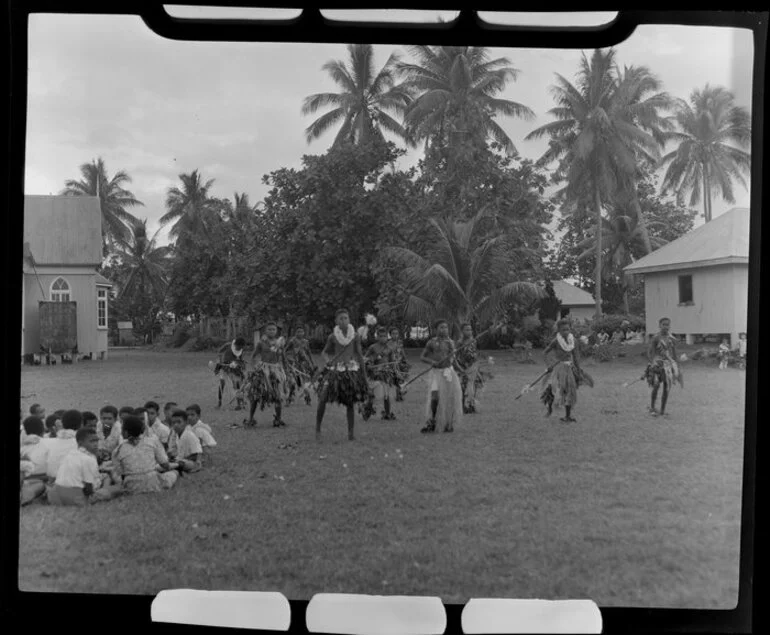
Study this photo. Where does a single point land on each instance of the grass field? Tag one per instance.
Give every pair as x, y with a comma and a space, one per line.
621, 508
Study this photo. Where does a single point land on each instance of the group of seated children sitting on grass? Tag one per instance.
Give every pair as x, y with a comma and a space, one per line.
77, 458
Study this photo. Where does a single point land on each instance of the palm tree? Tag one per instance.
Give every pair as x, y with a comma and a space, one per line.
712, 135
622, 237
364, 103
113, 199
146, 263
189, 207
458, 88
594, 140
642, 103
464, 276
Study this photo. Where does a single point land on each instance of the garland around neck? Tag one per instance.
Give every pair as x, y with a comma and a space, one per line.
567, 346
237, 353
346, 339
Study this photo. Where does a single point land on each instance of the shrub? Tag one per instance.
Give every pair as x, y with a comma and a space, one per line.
604, 352
611, 323
181, 335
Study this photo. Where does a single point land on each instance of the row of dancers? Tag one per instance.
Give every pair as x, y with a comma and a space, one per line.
356, 378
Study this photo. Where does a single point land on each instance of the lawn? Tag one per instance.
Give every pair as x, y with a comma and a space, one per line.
621, 508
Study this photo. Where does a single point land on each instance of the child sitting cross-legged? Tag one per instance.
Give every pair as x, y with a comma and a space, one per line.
63, 443
201, 430
78, 480
140, 463
156, 426
35, 449
184, 447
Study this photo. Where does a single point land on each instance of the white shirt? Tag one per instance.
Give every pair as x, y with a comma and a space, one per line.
78, 468
112, 442
203, 432
188, 444
36, 450
59, 447
742, 347
160, 430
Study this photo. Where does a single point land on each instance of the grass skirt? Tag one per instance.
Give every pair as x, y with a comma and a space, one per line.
472, 381
223, 371
344, 387
664, 371
300, 376
267, 385
561, 385
386, 375
450, 397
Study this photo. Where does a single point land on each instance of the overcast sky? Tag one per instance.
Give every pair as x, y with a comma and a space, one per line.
108, 86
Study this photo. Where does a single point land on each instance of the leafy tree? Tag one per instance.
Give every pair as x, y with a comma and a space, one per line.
549, 306
189, 207
595, 141
114, 199
457, 92
462, 276
318, 235
712, 136
366, 101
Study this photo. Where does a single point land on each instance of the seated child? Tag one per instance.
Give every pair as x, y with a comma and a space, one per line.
108, 416
156, 426
78, 481
35, 410
168, 410
52, 425
201, 430
112, 442
64, 443
136, 463
183, 446
35, 450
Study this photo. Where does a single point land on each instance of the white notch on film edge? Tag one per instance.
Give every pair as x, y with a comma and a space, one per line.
492, 616
345, 614
225, 609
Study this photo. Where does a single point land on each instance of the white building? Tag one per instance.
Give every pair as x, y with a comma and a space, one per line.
700, 281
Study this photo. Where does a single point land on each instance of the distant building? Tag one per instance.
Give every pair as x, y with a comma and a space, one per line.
575, 303
700, 280
62, 251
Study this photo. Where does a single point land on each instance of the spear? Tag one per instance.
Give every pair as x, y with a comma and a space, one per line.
528, 387
448, 357
627, 384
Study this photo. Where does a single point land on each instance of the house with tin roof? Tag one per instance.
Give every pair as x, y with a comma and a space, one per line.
62, 252
701, 280
575, 302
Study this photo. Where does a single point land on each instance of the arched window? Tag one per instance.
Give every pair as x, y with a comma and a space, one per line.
60, 290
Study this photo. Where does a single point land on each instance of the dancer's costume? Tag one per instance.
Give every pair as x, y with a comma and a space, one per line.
231, 363
344, 383
381, 368
664, 369
301, 367
472, 378
446, 383
402, 365
268, 385
560, 386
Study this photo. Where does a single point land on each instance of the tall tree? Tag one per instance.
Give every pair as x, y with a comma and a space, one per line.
593, 140
189, 207
114, 199
462, 276
142, 268
367, 103
713, 136
457, 99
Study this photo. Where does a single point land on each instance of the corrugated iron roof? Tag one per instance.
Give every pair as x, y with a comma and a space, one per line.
571, 296
102, 281
63, 230
125, 325
723, 240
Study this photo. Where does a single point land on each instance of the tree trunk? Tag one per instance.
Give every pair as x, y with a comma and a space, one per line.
598, 273
642, 223
625, 300
706, 195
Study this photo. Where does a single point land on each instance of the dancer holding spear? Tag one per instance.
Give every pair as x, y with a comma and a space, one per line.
444, 405
561, 384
